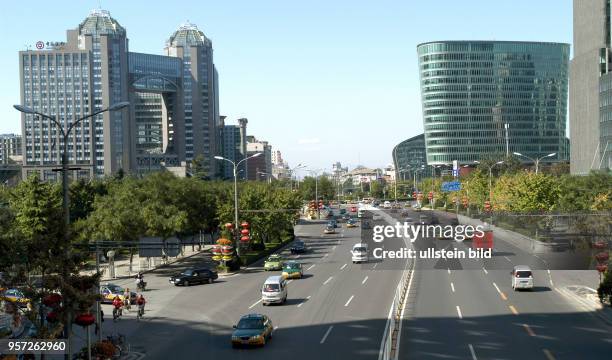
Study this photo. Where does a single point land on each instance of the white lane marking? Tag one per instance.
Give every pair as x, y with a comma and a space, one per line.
552, 284
349, 301
500, 292
459, 312
364, 280
374, 267
252, 306
326, 334
453, 287
311, 266
334, 247
298, 256
289, 281
513, 309
343, 266
507, 258
528, 329
548, 354
328, 280
448, 269
325, 255
302, 303
485, 270
472, 352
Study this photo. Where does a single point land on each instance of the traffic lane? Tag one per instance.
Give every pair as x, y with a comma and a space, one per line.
248, 287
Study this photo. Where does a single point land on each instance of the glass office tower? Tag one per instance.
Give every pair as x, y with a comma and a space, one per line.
470, 90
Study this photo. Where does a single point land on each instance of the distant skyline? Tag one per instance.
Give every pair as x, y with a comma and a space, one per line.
321, 81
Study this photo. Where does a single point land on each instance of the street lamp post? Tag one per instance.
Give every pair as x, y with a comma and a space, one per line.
399, 171
65, 168
490, 175
536, 160
235, 165
416, 187
316, 173
299, 166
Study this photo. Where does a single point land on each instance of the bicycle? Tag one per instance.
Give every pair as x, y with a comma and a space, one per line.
117, 313
120, 343
140, 313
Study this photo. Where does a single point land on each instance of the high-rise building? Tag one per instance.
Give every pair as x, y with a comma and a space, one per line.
260, 167
474, 91
200, 92
10, 148
234, 149
590, 119
173, 114
409, 156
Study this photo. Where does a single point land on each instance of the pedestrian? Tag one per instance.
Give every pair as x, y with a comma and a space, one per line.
127, 299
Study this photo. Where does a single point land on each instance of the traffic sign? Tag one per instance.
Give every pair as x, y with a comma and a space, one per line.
451, 186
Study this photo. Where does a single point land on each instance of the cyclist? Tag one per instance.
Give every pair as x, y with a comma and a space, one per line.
117, 305
140, 283
126, 299
140, 301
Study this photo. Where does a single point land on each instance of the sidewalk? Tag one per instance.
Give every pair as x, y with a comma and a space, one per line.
122, 267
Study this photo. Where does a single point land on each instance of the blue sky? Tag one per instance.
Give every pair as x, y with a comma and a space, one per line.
322, 81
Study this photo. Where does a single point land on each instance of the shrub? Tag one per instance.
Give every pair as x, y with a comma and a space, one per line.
605, 288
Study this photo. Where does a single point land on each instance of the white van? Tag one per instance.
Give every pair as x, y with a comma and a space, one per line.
522, 277
274, 290
360, 212
387, 205
359, 253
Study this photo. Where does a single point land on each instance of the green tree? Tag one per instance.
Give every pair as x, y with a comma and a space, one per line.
198, 167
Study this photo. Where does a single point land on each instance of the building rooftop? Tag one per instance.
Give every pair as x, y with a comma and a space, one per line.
100, 22
188, 34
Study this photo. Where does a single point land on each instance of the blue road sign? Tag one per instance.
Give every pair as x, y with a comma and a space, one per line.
451, 186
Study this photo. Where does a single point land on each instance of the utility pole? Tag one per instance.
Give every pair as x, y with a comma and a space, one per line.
507, 142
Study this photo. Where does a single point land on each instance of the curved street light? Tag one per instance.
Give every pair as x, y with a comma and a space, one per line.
235, 165
536, 160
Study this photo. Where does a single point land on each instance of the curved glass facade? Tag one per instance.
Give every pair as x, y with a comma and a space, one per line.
471, 89
408, 156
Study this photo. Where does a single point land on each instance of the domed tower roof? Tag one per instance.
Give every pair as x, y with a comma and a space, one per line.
188, 34
100, 22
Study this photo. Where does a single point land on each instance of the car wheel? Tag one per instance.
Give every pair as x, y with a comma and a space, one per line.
263, 341
186, 283
263, 304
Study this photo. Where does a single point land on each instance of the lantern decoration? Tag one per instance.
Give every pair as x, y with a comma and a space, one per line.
599, 245
227, 249
487, 206
84, 319
229, 226
52, 316
52, 300
602, 256
245, 238
245, 224
602, 268
244, 232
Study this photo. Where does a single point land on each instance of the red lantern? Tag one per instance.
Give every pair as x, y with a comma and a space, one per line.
244, 232
602, 268
227, 249
52, 299
84, 319
599, 245
245, 225
602, 256
245, 239
229, 226
52, 316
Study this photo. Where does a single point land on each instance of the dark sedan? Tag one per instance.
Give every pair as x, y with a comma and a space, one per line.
298, 247
194, 276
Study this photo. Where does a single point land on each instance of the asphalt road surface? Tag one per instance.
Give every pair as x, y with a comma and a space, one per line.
338, 310
466, 309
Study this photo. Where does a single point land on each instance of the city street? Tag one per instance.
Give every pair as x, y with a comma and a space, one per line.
466, 309
337, 309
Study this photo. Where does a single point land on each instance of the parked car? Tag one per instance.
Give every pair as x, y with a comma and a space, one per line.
292, 269
298, 247
15, 296
194, 276
252, 329
109, 291
273, 262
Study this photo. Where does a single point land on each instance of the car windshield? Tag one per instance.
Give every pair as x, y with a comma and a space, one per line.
523, 274
299, 244
274, 258
115, 289
250, 324
292, 266
187, 272
271, 288
359, 249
